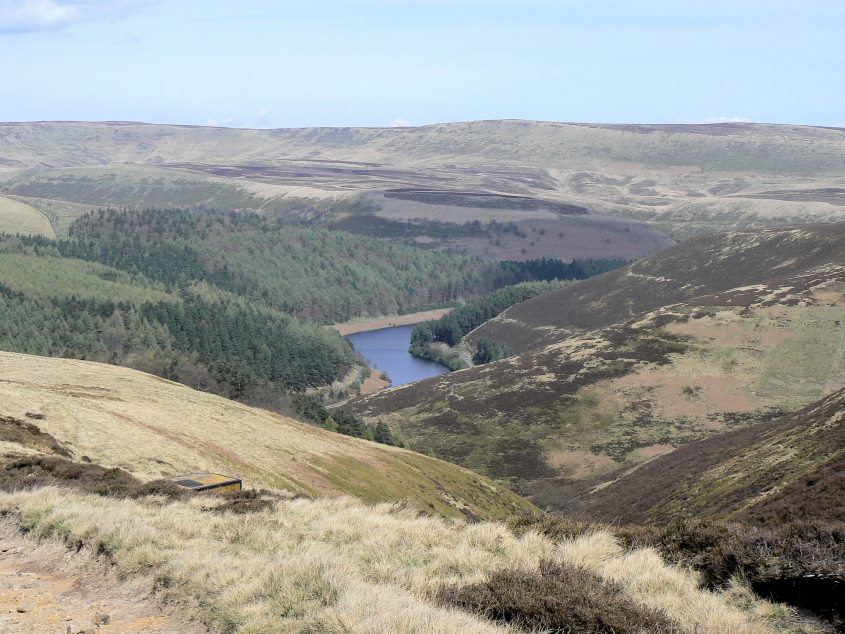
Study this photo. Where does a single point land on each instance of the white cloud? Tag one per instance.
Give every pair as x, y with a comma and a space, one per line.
20, 16
716, 120
36, 15
399, 122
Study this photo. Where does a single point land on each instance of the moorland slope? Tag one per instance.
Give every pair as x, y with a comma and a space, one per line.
619, 395
83, 445
153, 428
560, 187
791, 469
703, 265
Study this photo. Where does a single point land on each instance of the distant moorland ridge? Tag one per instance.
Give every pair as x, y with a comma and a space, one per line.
566, 177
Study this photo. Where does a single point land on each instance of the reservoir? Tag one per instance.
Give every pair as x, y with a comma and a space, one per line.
387, 351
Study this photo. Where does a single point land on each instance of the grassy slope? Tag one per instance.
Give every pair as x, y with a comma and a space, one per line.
18, 217
152, 427
683, 179
329, 565
699, 266
791, 468
623, 394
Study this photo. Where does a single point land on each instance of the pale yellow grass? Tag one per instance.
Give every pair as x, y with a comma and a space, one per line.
17, 217
153, 428
338, 565
365, 324
645, 576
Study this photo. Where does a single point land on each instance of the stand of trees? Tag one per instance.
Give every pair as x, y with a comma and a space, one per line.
56, 306
453, 327
316, 274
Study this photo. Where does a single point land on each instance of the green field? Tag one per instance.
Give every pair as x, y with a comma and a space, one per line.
17, 217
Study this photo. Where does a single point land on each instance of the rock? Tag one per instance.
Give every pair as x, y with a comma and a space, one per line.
101, 619
24, 608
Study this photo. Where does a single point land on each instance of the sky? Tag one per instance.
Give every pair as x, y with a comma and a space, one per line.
295, 63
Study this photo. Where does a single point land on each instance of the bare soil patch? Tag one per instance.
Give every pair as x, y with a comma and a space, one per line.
579, 464
655, 450
45, 588
374, 383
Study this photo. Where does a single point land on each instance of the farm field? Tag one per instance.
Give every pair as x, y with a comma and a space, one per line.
17, 217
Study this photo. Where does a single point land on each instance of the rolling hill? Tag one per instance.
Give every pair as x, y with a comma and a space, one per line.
153, 428
18, 217
703, 265
791, 469
561, 188
83, 445
620, 394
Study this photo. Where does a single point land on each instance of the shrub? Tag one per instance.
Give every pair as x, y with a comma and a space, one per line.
557, 598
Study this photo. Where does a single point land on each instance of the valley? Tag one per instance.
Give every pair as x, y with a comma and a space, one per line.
641, 431
597, 400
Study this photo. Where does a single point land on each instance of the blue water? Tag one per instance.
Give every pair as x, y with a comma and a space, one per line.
387, 350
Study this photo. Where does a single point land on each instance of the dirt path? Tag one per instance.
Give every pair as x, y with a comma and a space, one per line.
351, 327
45, 588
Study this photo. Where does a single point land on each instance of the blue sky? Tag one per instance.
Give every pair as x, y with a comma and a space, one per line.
380, 63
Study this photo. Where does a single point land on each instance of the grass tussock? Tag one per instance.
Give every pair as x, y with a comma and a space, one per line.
559, 598
339, 565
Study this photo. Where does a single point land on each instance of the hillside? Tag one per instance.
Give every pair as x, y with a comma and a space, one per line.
619, 395
700, 266
562, 186
302, 555
313, 273
153, 428
18, 217
56, 306
788, 469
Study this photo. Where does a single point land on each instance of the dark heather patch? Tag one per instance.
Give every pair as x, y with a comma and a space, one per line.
519, 458
555, 527
800, 563
557, 598
243, 502
19, 472
29, 435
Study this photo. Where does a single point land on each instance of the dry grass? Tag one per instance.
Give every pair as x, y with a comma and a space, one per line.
152, 428
338, 565
18, 217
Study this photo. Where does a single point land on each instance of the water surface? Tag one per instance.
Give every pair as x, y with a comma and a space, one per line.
387, 350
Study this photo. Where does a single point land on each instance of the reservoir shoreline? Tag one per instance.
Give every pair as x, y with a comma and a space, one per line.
379, 323
386, 350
